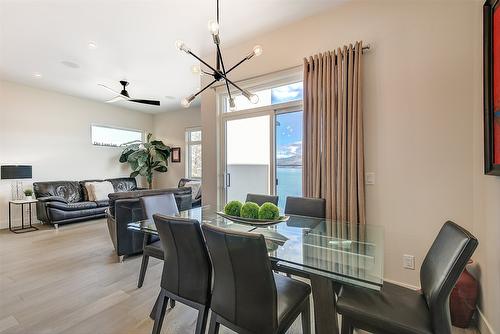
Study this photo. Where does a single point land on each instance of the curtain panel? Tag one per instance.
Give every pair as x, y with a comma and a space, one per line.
333, 146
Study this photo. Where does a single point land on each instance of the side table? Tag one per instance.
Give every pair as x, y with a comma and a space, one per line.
22, 228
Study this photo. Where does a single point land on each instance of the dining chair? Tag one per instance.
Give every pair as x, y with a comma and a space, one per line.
163, 204
261, 199
398, 310
187, 270
247, 297
305, 206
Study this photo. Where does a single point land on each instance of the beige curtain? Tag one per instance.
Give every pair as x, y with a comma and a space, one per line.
333, 150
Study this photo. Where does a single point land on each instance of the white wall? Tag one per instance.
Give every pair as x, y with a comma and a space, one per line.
170, 127
418, 106
51, 131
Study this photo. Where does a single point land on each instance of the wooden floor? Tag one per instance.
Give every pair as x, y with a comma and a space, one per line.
68, 281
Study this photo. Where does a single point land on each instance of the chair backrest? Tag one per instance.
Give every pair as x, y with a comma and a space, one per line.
305, 206
187, 271
442, 266
244, 291
159, 204
261, 199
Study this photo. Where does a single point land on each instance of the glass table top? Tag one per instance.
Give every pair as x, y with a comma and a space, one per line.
346, 253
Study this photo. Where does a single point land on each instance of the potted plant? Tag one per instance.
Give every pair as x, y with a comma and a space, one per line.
145, 158
28, 193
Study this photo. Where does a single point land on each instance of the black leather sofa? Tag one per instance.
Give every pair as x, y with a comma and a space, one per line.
125, 208
61, 202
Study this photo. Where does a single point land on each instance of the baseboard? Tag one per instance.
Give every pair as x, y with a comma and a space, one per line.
483, 324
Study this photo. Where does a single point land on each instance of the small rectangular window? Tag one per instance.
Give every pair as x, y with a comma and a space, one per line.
114, 137
193, 144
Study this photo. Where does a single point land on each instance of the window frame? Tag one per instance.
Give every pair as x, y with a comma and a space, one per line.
190, 143
92, 125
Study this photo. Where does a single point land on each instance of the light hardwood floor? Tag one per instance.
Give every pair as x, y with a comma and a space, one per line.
68, 281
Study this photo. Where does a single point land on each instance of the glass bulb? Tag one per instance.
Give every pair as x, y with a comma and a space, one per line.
213, 27
232, 105
257, 50
179, 45
195, 69
254, 99
185, 103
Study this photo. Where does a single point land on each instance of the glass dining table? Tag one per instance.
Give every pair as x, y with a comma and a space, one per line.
326, 252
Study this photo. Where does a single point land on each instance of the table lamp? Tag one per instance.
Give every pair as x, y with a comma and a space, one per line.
16, 173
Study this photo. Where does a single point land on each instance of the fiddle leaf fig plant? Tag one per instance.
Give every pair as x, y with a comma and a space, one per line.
145, 158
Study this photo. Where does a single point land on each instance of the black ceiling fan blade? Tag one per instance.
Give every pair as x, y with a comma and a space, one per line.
150, 102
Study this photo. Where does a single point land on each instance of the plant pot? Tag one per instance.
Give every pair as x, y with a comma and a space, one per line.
463, 300
29, 198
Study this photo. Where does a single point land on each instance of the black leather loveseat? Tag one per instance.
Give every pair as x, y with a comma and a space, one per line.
61, 202
125, 208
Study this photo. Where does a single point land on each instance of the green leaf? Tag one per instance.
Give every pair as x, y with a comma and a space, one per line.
134, 173
161, 169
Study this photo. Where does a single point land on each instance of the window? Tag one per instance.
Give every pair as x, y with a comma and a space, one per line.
270, 96
193, 144
114, 137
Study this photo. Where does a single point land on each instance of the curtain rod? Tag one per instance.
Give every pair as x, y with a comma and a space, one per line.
365, 48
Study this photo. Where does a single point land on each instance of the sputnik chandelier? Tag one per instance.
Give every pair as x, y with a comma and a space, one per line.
219, 73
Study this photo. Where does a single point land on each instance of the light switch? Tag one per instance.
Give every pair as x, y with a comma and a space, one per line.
409, 262
370, 178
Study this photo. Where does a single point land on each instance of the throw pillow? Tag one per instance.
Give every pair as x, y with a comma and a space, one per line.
195, 188
100, 190
90, 194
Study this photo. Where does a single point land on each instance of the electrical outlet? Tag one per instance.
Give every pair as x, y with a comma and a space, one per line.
370, 178
409, 262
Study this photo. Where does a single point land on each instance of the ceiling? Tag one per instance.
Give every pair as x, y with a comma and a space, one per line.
135, 41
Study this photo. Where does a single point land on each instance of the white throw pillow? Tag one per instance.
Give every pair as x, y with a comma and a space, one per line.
100, 190
195, 188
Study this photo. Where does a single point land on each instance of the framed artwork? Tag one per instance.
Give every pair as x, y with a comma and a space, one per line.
175, 154
491, 53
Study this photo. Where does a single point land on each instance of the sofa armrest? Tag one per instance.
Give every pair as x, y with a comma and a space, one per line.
52, 199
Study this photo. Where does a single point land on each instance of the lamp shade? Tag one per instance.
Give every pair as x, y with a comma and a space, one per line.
14, 172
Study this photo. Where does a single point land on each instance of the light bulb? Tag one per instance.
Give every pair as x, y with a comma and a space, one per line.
232, 105
181, 46
185, 103
254, 99
257, 50
213, 27
195, 69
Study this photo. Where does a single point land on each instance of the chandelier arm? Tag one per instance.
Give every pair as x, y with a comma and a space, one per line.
204, 88
215, 71
224, 70
237, 64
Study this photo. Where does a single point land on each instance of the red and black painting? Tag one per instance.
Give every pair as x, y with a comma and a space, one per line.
492, 87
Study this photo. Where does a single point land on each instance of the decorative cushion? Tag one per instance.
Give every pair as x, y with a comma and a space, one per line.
88, 191
99, 191
195, 188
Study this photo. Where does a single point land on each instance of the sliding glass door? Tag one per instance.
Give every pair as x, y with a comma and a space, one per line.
248, 156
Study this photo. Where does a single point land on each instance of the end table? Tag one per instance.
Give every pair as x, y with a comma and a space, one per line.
22, 228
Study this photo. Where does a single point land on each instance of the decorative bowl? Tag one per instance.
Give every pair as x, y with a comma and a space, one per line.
252, 221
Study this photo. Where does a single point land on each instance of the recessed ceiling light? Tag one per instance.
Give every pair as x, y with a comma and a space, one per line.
70, 64
92, 45
37, 75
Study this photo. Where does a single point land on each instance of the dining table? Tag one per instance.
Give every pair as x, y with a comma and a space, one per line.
327, 252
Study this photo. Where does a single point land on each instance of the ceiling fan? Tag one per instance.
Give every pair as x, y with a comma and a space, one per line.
124, 96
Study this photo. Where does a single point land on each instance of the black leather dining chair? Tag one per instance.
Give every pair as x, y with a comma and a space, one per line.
305, 206
261, 199
163, 204
247, 297
398, 310
187, 270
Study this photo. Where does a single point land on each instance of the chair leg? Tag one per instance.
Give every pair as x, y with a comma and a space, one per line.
144, 267
214, 325
172, 303
347, 328
160, 312
306, 317
201, 323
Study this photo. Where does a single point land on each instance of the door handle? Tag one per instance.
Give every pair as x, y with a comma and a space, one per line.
228, 180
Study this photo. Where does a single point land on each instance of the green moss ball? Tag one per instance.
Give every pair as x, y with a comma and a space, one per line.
269, 211
250, 210
233, 208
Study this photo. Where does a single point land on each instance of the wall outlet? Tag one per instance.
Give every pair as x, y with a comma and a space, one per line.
370, 178
409, 262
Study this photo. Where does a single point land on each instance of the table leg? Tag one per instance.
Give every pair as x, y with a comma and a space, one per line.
22, 216
29, 205
10, 221
325, 310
